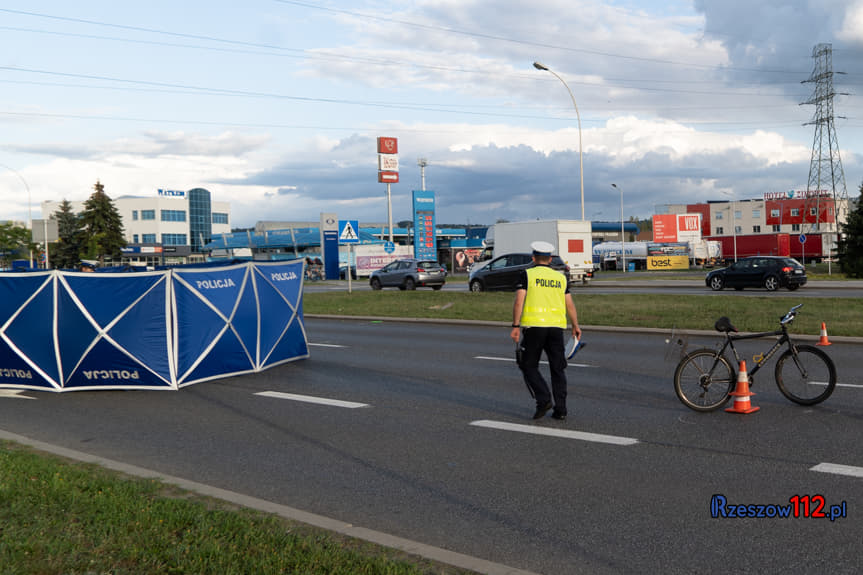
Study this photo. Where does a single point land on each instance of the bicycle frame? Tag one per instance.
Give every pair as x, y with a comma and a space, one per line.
761, 358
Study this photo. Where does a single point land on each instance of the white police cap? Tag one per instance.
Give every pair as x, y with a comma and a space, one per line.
542, 248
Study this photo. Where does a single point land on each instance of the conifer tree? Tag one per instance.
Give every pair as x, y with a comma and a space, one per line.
851, 245
102, 227
67, 250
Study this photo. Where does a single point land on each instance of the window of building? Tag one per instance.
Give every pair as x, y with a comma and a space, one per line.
719, 231
774, 213
756, 229
813, 211
134, 238
795, 227
173, 239
776, 227
795, 211
738, 214
148, 238
148, 214
719, 215
756, 213
173, 216
219, 218
135, 215
738, 229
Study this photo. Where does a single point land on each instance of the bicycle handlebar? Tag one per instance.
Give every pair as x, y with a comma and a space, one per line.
789, 317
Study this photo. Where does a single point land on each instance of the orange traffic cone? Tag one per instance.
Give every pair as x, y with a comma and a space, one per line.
823, 340
741, 393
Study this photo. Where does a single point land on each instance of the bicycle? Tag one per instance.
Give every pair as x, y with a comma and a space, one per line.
704, 378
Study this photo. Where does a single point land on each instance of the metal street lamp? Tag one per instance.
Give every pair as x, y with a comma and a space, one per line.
29, 207
544, 68
622, 237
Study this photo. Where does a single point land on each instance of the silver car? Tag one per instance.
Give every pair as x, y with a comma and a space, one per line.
409, 274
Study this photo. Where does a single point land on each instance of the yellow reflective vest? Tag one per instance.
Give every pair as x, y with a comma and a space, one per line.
545, 301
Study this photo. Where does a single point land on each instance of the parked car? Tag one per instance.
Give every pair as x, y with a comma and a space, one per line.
343, 272
409, 274
502, 272
769, 272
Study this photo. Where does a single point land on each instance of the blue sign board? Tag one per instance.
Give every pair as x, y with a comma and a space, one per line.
425, 240
389, 247
802, 238
349, 231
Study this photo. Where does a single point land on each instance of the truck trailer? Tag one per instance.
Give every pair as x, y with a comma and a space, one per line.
754, 245
571, 239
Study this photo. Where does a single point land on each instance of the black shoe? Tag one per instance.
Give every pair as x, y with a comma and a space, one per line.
541, 410
558, 415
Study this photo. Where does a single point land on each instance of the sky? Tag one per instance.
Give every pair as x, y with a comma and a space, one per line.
275, 105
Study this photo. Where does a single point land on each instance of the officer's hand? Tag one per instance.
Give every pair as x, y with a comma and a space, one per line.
515, 334
576, 332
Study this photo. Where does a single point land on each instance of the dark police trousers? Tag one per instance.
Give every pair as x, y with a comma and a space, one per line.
534, 341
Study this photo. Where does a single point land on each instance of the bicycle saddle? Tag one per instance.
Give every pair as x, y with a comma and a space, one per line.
723, 324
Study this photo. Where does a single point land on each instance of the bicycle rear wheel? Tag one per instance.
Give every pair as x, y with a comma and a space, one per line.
807, 378
704, 380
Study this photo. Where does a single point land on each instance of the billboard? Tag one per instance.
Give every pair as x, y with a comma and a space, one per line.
676, 228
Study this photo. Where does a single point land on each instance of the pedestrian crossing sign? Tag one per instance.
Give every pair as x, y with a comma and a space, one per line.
349, 232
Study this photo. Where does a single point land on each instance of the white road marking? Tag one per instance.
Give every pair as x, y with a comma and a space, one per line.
565, 433
325, 345
837, 469
14, 393
512, 359
854, 385
312, 399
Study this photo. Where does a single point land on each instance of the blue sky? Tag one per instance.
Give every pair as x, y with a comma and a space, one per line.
274, 105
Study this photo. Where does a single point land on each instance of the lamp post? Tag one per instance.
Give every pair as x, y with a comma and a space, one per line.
29, 207
544, 68
622, 237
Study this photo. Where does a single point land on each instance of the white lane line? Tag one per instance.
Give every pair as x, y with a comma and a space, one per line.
565, 433
325, 345
837, 469
512, 359
854, 385
312, 399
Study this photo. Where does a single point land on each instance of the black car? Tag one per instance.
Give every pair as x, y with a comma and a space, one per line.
502, 272
768, 272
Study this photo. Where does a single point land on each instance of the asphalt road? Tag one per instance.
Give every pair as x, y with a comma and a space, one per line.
693, 285
443, 451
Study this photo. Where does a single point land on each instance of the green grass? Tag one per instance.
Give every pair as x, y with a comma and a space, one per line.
747, 313
58, 517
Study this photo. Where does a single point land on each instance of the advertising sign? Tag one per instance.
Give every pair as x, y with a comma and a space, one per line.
665, 228
676, 227
388, 177
388, 162
388, 145
425, 242
172, 194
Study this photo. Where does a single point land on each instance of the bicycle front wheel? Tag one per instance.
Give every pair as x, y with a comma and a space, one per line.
807, 377
704, 380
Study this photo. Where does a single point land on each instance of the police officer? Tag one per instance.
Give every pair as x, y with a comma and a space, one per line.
542, 304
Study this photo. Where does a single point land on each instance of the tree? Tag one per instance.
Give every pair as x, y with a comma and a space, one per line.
14, 242
67, 250
102, 227
851, 243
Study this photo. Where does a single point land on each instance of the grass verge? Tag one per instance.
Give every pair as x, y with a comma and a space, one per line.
755, 313
60, 517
